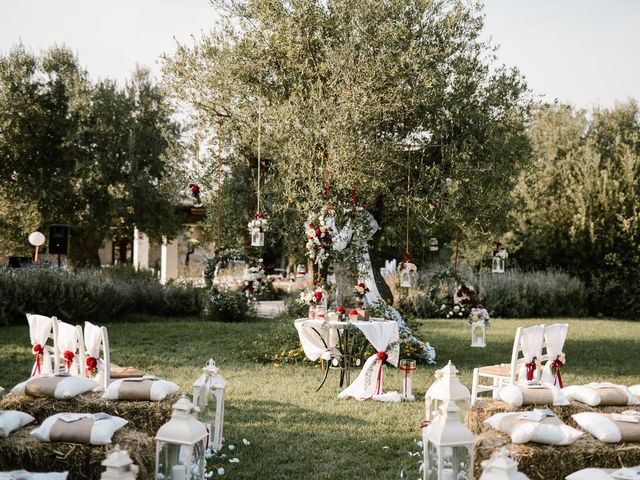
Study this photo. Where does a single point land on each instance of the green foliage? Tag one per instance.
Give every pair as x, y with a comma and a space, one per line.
227, 305
92, 155
580, 202
511, 295
100, 296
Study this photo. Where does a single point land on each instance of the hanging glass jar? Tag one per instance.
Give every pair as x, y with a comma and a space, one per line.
433, 245
499, 255
257, 227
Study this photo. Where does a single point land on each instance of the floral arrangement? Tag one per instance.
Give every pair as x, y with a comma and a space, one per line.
358, 228
479, 315
500, 252
318, 232
259, 224
461, 303
312, 296
406, 265
360, 290
255, 280
342, 313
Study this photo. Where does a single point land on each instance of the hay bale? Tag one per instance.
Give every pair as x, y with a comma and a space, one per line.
485, 408
144, 416
20, 450
549, 462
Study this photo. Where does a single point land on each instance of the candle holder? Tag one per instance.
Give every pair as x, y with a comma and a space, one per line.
407, 367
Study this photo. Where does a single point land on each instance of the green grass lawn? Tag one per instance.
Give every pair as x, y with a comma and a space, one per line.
296, 433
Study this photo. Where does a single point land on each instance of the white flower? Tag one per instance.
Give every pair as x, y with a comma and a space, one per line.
232, 447
234, 460
209, 474
221, 471
208, 453
246, 442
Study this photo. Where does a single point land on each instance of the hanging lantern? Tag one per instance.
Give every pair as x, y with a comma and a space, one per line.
407, 271
501, 467
257, 227
499, 255
447, 388
119, 466
208, 396
407, 367
447, 446
180, 445
433, 245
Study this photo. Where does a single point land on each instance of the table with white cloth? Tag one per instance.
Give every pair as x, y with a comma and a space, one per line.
333, 340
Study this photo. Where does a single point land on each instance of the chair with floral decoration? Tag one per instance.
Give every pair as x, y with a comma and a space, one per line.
70, 349
43, 332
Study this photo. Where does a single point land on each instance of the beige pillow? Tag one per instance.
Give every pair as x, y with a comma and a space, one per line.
607, 429
550, 430
60, 387
87, 428
140, 389
594, 394
518, 395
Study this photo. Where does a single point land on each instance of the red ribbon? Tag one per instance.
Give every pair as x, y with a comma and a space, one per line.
38, 350
405, 258
531, 368
92, 366
382, 356
68, 359
555, 368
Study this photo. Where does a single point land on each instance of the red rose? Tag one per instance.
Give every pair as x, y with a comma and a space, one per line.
341, 310
92, 363
317, 295
353, 312
195, 189
382, 356
38, 349
68, 355
318, 232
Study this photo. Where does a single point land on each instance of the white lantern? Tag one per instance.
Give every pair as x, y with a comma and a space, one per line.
405, 279
478, 334
119, 466
208, 396
501, 467
448, 446
447, 388
433, 245
499, 255
257, 239
180, 445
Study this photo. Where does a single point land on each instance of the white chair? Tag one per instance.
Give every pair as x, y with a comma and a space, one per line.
529, 342
43, 332
69, 347
554, 337
96, 347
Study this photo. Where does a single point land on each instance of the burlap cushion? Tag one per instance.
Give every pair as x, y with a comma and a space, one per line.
594, 394
86, 428
140, 389
124, 372
60, 387
518, 395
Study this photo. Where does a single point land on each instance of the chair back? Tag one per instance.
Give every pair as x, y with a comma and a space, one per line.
70, 349
527, 344
44, 334
554, 337
96, 346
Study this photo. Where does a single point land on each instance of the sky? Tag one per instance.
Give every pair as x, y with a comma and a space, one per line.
583, 52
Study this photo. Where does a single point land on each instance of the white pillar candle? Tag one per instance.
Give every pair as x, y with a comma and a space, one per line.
179, 472
447, 474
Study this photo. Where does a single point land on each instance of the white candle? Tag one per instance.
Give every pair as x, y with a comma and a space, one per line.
447, 474
179, 472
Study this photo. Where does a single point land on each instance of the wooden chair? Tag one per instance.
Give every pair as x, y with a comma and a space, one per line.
96, 348
528, 342
69, 343
44, 333
554, 337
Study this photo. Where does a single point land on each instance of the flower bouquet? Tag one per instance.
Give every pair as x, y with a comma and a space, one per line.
318, 232
259, 224
316, 298
479, 314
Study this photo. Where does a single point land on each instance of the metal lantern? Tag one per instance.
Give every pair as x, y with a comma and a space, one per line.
448, 446
119, 466
257, 239
180, 445
478, 334
499, 255
407, 367
208, 395
447, 388
433, 245
501, 467
405, 279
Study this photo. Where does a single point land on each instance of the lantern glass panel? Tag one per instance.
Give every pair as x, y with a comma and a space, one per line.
498, 265
205, 400
257, 239
463, 405
460, 463
405, 279
174, 462
431, 467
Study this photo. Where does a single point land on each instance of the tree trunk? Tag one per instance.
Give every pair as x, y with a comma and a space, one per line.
345, 281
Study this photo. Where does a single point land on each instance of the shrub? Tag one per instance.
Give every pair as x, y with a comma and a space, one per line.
227, 305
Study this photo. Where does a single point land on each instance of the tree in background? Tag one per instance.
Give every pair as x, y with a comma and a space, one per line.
93, 155
371, 98
580, 201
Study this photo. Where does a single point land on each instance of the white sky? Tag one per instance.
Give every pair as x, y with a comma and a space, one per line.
586, 52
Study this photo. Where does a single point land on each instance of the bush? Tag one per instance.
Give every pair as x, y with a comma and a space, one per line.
96, 295
227, 305
512, 295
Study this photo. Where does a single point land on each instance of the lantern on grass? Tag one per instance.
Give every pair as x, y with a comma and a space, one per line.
448, 446
447, 388
501, 467
180, 445
499, 255
208, 396
478, 334
119, 466
433, 245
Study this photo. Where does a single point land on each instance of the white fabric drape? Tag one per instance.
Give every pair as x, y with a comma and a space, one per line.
554, 336
312, 344
531, 340
68, 341
92, 342
39, 329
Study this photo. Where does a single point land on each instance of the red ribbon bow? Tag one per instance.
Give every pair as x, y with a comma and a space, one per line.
405, 258
531, 368
92, 366
38, 351
555, 369
382, 356
68, 359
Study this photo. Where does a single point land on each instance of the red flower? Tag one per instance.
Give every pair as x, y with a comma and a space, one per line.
92, 364
259, 215
317, 295
68, 355
382, 356
353, 312
195, 189
318, 232
38, 349
340, 310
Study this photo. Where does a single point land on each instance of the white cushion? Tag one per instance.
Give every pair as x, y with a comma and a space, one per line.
589, 474
589, 394
635, 389
159, 389
101, 431
68, 386
529, 431
514, 395
11, 420
598, 425
24, 475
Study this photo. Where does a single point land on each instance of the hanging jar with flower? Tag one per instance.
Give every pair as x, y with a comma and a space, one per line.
257, 227
499, 255
360, 293
407, 271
